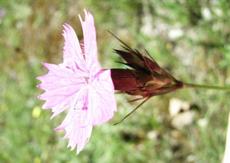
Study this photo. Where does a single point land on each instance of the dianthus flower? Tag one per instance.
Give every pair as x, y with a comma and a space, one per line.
79, 86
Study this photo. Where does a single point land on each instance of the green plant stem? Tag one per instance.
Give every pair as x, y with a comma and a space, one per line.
191, 85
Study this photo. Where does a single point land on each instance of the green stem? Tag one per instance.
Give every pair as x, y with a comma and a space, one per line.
191, 85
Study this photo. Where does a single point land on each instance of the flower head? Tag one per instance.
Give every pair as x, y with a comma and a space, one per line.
79, 86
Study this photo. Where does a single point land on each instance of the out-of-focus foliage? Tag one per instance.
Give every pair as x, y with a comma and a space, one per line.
189, 38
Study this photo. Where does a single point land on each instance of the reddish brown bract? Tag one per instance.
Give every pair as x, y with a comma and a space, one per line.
145, 77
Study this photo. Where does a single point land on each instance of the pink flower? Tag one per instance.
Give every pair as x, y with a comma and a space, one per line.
79, 86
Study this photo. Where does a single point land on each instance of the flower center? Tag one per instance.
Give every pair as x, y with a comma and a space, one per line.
87, 80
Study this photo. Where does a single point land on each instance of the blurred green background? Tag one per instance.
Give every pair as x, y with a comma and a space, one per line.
190, 38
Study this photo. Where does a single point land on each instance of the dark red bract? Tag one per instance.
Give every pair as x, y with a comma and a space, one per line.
144, 76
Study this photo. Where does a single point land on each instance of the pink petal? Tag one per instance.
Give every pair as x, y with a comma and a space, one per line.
77, 123
101, 98
59, 77
90, 42
72, 51
60, 85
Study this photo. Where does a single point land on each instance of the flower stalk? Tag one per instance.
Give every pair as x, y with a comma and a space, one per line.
203, 86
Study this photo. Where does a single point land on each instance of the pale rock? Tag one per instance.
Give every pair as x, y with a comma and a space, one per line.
177, 105
183, 119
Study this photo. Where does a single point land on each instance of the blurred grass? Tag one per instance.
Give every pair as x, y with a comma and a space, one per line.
200, 53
